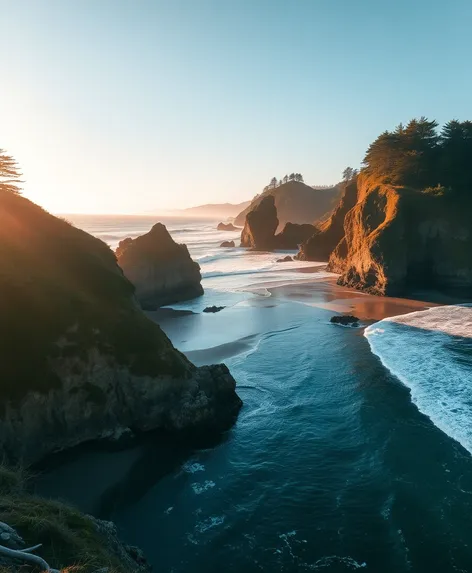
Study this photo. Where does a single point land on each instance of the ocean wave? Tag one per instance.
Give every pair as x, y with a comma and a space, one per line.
213, 274
430, 352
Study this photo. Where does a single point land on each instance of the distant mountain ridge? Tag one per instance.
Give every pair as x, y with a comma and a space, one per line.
222, 210
296, 202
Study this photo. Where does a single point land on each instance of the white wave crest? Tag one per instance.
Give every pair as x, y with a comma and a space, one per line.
430, 352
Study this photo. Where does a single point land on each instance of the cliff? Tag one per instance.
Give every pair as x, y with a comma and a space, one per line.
78, 358
328, 234
398, 239
161, 270
296, 203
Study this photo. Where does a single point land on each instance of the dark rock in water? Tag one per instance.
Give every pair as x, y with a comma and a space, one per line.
260, 227
293, 236
92, 364
228, 244
226, 227
286, 259
161, 270
213, 308
345, 320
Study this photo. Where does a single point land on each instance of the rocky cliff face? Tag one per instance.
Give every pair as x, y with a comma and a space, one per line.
78, 358
397, 239
328, 234
261, 224
161, 270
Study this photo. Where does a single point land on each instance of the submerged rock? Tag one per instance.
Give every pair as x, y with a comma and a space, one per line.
345, 319
79, 360
213, 308
261, 224
228, 244
226, 227
161, 270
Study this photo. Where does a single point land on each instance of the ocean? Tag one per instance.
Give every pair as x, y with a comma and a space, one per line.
353, 447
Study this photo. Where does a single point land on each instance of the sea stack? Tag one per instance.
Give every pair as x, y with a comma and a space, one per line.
79, 360
261, 225
161, 270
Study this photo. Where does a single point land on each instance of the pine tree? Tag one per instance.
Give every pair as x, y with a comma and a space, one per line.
9, 174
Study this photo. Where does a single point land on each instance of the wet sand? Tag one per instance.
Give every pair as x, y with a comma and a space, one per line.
238, 328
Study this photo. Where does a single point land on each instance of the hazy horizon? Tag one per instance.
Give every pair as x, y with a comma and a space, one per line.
124, 107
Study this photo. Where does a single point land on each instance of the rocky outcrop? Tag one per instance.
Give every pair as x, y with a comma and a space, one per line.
296, 203
161, 270
213, 309
398, 239
228, 244
293, 236
261, 225
226, 227
345, 320
328, 234
78, 358
287, 259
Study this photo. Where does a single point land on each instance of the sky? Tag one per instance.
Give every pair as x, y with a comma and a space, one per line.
137, 106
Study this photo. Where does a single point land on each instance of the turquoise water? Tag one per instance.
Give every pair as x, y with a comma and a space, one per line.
335, 463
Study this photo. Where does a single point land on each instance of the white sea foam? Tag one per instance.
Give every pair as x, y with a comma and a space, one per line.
430, 352
193, 467
199, 488
209, 523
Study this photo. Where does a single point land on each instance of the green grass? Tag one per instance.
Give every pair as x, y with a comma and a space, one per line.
69, 538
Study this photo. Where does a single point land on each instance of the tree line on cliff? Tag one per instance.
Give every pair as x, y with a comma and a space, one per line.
418, 155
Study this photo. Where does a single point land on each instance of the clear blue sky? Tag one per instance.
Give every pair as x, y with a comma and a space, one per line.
140, 105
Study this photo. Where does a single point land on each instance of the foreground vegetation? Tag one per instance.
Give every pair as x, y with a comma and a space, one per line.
70, 540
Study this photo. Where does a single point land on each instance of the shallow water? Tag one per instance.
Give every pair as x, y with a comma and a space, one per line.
331, 465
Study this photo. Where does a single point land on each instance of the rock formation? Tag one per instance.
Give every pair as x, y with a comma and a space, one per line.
293, 236
78, 358
329, 233
287, 259
228, 244
296, 203
345, 320
213, 309
397, 239
226, 227
161, 270
261, 224
388, 240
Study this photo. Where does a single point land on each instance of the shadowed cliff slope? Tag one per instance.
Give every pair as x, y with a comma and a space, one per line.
329, 233
78, 358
